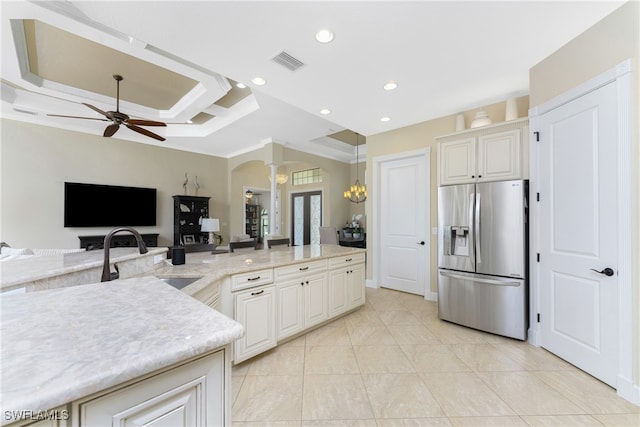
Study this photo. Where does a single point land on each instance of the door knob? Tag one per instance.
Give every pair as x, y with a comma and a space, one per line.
607, 271
421, 243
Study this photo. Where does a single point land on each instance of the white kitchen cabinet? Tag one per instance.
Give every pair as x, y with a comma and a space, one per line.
255, 309
192, 394
290, 307
490, 153
315, 299
346, 283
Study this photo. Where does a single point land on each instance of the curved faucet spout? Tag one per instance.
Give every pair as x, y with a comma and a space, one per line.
107, 275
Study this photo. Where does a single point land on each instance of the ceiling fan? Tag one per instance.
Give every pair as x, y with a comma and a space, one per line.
117, 118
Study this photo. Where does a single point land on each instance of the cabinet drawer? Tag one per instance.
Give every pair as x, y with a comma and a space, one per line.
346, 260
249, 280
303, 268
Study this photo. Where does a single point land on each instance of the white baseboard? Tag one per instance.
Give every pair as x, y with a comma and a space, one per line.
628, 391
431, 296
533, 338
370, 283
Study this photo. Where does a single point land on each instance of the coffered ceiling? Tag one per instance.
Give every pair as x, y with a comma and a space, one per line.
181, 61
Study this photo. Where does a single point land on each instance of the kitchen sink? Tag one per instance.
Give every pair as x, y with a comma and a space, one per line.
179, 282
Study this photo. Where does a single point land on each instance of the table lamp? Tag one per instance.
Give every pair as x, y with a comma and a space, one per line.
209, 225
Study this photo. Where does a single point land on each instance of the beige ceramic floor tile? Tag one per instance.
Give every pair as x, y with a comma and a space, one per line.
330, 360
449, 333
382, 359
434, 358
487, 421
485, 357
412, 334
463, 394
363, 318
236, 384
269, 398
399, 317
371, 335
532, 358
339, 423
330, 334
400, 396
264, 423
286, 360
296, 342
335, 397
387, 304
526, 394
619, 420
593, 396
415, 422
241, 369
561, 420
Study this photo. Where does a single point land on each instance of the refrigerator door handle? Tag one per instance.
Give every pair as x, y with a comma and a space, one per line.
477, 230
472, 252
499, 282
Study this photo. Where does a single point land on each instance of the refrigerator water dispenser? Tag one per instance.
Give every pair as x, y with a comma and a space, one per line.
457, 240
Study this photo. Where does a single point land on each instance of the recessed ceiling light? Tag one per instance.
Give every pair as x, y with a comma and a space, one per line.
325, 111
385, 119
258, 81
324, 36
241, 85
390, 85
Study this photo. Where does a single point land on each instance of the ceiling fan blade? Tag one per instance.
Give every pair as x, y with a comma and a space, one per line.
111, 129
145, 122
78, 117
144, 132
96, 109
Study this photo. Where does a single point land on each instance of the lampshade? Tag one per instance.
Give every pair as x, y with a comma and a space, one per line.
210, 225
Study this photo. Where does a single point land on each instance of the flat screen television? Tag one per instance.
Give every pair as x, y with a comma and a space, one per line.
93, 205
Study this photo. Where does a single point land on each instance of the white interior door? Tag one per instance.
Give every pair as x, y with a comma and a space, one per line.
404, 198
579, 232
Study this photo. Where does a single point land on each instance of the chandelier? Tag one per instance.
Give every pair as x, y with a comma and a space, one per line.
357, 193
281, 178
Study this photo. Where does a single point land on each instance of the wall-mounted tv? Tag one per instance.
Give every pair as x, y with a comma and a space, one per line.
93, 205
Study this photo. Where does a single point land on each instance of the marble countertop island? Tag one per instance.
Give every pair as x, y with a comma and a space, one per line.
63, 344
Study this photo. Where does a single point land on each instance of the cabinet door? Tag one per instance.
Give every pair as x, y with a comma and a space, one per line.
189, 395
457, 161
356, 286
315, 299
290, 308
499, 156
255, 310
338, 291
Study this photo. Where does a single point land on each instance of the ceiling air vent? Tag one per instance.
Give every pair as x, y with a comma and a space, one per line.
288, 61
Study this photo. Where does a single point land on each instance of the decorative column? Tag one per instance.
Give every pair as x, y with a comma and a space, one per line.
273, 215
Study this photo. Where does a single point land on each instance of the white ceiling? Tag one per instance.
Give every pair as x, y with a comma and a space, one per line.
446, 57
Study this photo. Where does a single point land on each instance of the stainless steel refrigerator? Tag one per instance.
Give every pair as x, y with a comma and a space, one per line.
483, 256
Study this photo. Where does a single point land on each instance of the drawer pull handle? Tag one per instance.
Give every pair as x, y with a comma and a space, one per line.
303, 268
257, 293
251, 279
349, 259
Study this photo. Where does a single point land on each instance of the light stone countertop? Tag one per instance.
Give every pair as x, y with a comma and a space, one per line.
63, 344
36, 267
213, 267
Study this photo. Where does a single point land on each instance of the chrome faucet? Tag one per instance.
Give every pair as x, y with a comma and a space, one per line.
107, 275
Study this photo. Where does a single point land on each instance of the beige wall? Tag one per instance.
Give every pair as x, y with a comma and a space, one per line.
37, 160
423, 135
600, 48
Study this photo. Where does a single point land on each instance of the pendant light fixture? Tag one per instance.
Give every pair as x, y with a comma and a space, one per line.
357, 193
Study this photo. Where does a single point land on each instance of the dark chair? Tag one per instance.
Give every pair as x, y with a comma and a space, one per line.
253, 243
275, 242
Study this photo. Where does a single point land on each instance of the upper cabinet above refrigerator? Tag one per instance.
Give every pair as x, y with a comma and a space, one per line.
489, 153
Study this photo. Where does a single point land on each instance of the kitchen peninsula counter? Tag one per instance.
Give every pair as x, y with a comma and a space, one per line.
214, 267
64, 344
